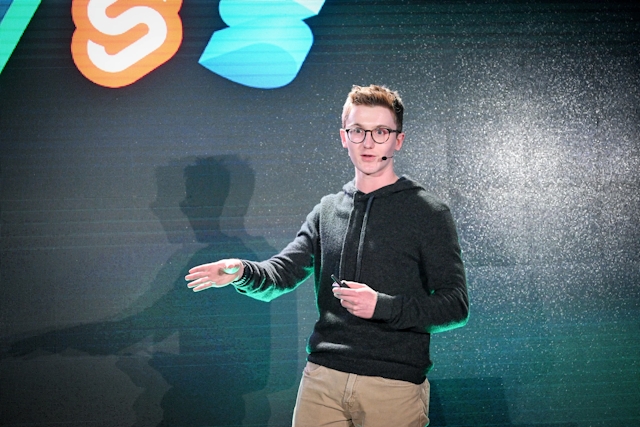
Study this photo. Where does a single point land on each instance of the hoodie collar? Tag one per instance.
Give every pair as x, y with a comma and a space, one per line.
403, 183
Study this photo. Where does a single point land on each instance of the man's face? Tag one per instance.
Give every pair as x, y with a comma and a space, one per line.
367, 155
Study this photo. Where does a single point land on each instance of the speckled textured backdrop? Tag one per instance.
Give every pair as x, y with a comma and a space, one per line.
522, 116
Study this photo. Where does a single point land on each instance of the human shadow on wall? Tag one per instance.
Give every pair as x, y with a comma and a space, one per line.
211, 349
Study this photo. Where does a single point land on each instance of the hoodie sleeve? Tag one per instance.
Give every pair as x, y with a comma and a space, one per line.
445, 304
283, 272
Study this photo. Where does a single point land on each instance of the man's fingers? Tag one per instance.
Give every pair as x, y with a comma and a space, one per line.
355, 285
349, 304
343, 293
192, 276
198, 268
198, 282
204, 286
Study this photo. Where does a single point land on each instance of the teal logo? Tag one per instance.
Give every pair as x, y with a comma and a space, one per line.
265, 44
15, 15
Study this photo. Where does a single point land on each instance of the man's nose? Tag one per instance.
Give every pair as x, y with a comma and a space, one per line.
368, 140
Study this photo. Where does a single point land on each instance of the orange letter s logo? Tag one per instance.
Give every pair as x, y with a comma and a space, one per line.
117, 42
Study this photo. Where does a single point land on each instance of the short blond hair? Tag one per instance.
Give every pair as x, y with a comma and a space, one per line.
374, 96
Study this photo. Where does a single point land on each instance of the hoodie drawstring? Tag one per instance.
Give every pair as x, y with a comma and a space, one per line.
363, 231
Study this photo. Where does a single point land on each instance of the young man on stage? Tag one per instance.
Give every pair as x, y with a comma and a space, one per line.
388, 272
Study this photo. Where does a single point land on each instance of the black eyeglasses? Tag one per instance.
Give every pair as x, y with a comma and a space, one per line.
379, 135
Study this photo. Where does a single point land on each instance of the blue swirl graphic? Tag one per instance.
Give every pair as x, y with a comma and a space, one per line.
265, 44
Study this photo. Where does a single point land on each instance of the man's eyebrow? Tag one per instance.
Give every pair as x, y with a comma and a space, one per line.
375, 127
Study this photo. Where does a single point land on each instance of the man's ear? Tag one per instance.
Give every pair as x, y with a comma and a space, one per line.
343, 138
399, 141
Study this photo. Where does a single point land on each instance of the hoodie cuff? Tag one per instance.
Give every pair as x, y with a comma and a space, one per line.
243, 280
384, 306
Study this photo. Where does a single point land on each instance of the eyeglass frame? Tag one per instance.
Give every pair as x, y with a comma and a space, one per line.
396, 131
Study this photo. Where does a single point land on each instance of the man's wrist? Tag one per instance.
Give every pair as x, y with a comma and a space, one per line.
243, 279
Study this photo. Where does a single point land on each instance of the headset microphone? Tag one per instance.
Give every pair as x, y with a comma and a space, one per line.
386, 158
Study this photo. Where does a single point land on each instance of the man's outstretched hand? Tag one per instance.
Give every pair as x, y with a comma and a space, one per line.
216, 274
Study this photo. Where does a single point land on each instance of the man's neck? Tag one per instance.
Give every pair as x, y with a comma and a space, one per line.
370, 183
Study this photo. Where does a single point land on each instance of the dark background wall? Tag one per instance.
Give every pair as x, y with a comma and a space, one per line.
522, 116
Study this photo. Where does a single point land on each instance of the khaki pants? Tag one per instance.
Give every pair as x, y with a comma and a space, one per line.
331, 398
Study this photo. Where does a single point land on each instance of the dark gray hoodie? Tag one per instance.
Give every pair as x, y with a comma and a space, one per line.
400, 241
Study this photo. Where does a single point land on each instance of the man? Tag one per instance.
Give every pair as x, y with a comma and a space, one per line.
394, 249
